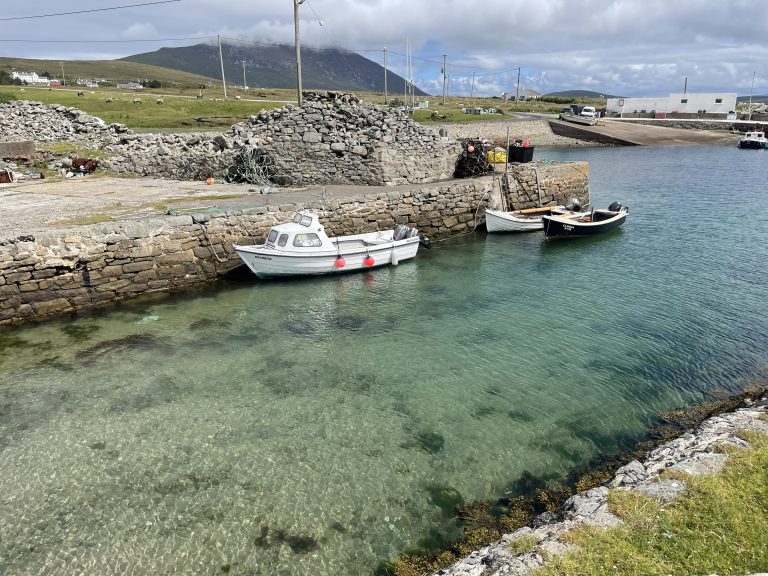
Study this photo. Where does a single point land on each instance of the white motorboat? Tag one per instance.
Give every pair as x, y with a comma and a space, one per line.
301, 247
753, 140
527, 220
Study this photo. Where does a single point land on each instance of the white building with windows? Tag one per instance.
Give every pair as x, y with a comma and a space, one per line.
29, 77
681, 105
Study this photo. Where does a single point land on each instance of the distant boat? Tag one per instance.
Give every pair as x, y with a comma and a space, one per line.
301, 247
589, 224
753, 140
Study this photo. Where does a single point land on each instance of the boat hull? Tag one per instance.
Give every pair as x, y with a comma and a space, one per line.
268, 262
558, 227
751, 145
496, 221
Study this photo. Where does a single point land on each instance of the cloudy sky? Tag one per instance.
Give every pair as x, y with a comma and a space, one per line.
621, 47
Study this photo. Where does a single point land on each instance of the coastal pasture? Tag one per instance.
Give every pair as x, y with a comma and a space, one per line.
177, 112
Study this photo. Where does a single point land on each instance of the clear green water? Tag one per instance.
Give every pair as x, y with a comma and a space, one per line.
299, 427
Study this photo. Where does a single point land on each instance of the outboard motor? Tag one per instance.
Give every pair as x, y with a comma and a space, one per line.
424, 241
400, 232
615, 207
573, 205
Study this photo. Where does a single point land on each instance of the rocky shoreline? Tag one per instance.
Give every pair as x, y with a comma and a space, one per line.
694, 453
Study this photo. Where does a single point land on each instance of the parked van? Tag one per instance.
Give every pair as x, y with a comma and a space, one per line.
588, 111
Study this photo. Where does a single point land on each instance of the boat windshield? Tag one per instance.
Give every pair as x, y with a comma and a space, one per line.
272, 236
303, 219
307, 240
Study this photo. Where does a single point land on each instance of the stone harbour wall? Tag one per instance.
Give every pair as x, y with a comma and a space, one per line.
61, 273
77, 269
546, 184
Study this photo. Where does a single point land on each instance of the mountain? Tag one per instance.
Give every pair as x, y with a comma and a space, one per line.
581, 94
275, 67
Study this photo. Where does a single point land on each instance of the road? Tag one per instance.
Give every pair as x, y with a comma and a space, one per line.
634, 134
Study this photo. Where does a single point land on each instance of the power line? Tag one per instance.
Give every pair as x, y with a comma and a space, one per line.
88, 10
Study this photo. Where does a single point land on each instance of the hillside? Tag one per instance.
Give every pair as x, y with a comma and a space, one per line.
746, 99
275, 67
111, 70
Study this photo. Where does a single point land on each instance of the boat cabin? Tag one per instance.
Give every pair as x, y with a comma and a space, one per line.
303, 232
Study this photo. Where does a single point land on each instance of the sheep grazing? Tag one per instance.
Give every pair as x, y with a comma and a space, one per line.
108, 100
237, 97
81, 93
159, 100
137, 100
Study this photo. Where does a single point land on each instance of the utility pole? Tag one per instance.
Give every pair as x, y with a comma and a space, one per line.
444, 74
517, 93
407, 69
385, 75
245, 84
298, 48
685, 86
221, 59
750, 96
472, 90
63, 82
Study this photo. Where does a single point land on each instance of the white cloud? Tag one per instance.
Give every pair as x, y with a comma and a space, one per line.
139, 32
627, 47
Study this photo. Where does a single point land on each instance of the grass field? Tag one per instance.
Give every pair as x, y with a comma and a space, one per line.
178, 111
181, 110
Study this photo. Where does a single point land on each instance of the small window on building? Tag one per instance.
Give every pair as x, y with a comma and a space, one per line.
684, 101
305, 240
283, 240
272, 236
718, 100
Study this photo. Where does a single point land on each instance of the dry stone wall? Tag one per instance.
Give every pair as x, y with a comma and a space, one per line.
336, 139
179, 156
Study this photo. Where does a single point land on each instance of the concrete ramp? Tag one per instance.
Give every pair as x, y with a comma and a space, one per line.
618, 133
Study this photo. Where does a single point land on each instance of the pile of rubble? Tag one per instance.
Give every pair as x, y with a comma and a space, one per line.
25, 120
333, 138
179, 156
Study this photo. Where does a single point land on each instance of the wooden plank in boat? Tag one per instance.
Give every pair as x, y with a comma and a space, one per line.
533, 210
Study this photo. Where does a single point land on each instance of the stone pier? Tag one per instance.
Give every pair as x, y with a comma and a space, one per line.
52, 268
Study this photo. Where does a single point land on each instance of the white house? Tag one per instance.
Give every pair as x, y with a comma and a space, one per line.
525, 94
687, 104
29, 77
